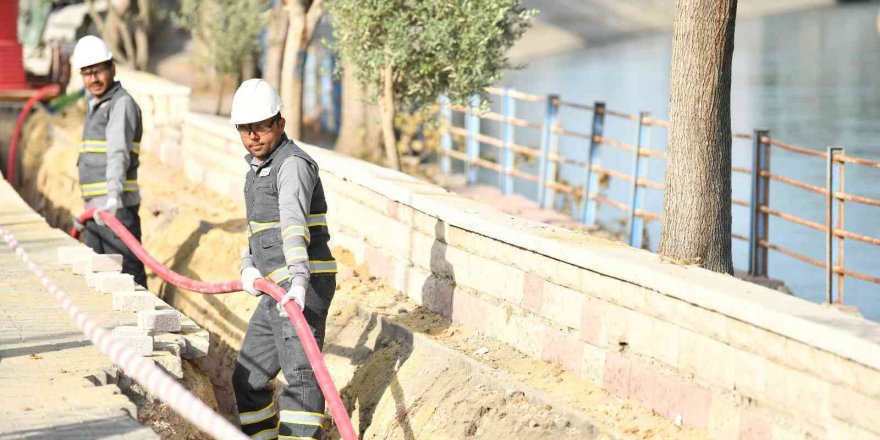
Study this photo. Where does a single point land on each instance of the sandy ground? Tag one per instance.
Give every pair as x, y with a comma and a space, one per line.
198, 233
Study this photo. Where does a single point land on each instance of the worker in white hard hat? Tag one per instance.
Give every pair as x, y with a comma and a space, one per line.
108, 154
287, 237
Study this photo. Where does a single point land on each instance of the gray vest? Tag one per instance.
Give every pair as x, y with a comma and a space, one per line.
261, 203
92, 160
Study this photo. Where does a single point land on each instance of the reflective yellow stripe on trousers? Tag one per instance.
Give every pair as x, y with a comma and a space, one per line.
252, 417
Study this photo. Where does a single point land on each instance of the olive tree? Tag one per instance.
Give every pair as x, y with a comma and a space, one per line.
228, 30
411, 51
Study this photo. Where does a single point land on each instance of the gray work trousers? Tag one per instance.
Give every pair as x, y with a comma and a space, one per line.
272, 345
104, 241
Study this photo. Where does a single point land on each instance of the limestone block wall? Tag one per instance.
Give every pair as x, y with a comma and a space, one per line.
706, 349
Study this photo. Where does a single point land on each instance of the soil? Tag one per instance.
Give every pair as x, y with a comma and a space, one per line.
198, 233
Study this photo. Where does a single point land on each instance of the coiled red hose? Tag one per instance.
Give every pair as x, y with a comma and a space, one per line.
313, 353
51, 89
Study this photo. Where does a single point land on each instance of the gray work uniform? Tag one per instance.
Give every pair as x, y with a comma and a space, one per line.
108, 166
288, 243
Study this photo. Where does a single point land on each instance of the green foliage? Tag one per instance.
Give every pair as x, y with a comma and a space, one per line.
227, 28
452, 47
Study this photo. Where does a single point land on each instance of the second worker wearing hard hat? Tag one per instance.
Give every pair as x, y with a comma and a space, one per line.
108, 154
288, 244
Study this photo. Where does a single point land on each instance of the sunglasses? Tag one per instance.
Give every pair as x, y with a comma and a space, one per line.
257, 127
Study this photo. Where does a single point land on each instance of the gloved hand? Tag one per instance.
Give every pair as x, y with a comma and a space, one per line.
77, 225
111, 207
248, 276
296, 293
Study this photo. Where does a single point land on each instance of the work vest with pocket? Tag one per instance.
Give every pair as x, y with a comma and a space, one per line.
92, 160
264, 219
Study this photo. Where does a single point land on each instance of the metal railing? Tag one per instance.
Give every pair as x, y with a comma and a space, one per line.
464, 144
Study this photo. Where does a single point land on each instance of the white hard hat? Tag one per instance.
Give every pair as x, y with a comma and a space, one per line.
90, 50
254, 101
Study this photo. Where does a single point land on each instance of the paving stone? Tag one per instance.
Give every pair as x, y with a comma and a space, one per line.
105, 263
108, 282
172, 364
135, 339
80, 264
159, 321
134, 301
197, 344
67, 254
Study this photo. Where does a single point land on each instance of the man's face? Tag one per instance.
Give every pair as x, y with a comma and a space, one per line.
98, 77
261, 138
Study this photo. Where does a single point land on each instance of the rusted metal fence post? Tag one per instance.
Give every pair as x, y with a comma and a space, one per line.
591, 180
635, 224
472, 145
832, 179
508, 111
548, 138
445, 137
760, 197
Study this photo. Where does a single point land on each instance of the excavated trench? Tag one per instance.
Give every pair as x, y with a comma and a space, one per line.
403, 372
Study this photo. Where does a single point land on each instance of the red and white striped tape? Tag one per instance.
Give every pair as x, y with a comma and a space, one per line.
144, 372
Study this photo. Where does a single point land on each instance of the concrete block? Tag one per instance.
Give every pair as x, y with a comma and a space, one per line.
134, 338
593, 364
105, 263
724, 419
90, 279
170, 343
108, 282
592, 319
134, 301
159, 321
564, 348
67, 254
196, 344
80, 264
750, 374
172, 364
469, 310
487, 276
533, 292
754, 427
562, 305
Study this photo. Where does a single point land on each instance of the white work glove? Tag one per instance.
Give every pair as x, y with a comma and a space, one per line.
296, 293
248, 276
77, 225
111, 206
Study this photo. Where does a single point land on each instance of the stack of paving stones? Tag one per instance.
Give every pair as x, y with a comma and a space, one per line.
162, 334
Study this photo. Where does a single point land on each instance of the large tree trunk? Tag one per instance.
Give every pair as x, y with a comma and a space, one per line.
141, 34
359, 134
696, 205
303, 18
392, 158
276, 33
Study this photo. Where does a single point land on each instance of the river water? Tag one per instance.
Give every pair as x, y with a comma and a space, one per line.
812, 78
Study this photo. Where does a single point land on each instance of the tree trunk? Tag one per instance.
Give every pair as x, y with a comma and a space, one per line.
392, 158
696, 204
300, 28
276, 33
357, 132
141, 35
117, 25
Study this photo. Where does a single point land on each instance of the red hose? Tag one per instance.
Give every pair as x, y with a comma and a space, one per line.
313, 353
51, 89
